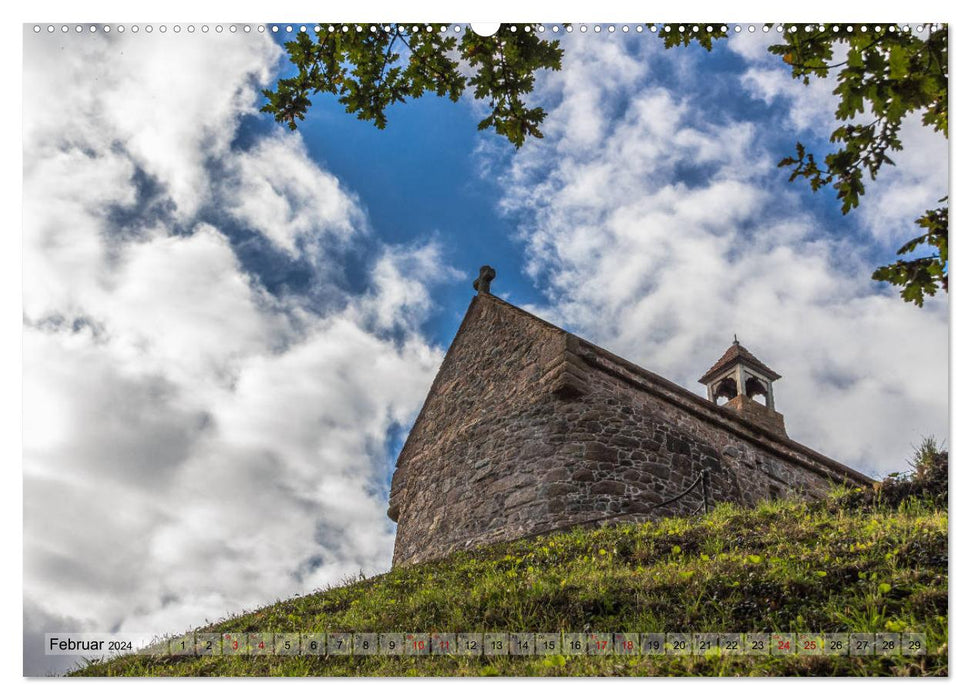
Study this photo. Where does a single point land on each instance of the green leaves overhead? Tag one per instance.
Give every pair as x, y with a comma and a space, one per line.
506, 64
369, 69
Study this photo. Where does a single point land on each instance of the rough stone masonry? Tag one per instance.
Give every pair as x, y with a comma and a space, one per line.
529, 429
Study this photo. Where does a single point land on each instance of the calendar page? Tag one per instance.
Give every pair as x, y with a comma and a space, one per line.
536, 348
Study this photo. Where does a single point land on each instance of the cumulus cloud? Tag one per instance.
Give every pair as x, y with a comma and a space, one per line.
769, 79
160, 98
394, 300
676, 231
193, 443
276, 189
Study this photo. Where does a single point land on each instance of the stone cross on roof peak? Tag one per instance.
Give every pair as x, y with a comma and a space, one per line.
484, 281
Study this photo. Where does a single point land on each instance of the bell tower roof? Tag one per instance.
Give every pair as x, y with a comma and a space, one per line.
738, 354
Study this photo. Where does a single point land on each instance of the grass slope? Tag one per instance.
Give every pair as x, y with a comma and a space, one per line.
839, 565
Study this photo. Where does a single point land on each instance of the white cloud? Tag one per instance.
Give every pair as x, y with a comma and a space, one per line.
279, 191
769, 79
160, 97
194, 445
811, 107
395, 301
663, 267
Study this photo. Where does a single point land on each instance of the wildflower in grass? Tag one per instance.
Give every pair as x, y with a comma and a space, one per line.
675, 549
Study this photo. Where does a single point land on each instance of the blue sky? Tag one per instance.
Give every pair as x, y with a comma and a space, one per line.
224, 318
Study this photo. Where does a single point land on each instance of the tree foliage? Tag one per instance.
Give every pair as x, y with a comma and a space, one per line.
369, 68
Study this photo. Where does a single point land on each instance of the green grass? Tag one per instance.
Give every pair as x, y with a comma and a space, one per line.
785, 566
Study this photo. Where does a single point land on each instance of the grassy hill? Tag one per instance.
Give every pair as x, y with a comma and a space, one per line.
856, 562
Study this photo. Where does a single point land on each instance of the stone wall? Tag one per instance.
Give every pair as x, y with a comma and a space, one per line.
491, 369
528, 429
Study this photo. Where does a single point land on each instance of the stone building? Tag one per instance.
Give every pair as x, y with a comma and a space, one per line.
528, 429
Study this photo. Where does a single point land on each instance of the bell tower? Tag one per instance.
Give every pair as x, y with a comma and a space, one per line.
745, 383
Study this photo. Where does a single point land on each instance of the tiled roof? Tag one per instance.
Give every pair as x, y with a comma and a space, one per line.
738, 353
